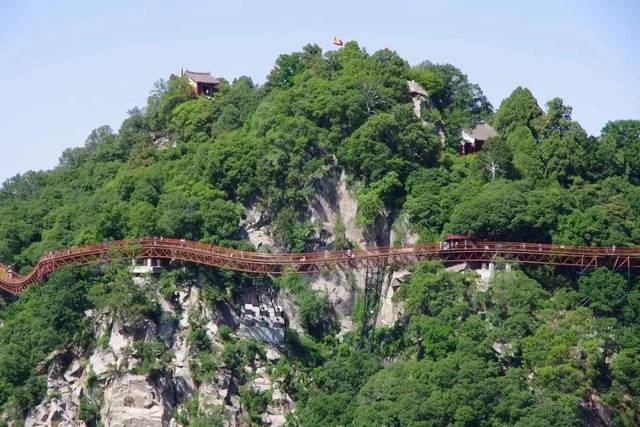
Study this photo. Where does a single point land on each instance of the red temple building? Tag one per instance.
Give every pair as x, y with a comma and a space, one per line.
203, 83
473, 139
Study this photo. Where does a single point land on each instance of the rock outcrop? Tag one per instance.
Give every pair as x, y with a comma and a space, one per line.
136, 400
418, 96
333, 204
106, 375
255, 228
109, 376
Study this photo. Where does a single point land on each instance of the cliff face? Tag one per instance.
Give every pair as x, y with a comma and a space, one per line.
112, 380
335, 205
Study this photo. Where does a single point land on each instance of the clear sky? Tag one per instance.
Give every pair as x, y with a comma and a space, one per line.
69, 67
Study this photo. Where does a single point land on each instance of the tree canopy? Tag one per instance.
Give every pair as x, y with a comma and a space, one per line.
536, 346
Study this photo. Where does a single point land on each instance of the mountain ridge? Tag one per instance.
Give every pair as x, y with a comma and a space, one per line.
329, 154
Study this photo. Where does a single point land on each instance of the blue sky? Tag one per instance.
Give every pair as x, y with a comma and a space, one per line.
69, 67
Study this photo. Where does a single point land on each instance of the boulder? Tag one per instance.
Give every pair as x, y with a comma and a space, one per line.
286, 300
213, 394
341, 293
182, 378
276, 413
335, 202
255, 228
100, 360
273, 355
57, 412
134, 400
597, 413
389, 311
74, 371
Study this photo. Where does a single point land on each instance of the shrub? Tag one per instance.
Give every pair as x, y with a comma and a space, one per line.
153, 357
225, 332
316, 313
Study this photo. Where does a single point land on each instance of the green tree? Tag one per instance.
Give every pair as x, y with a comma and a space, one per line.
496, 159
180, 216
389, 142
599, 225
605, 291
625, 372
518, 109
526, 157
514, 299
433, 291
164, 97
286, 68
616, 152
490, 213
45, 318
316, 312
455, 390
381, 194
460, 103
289, 231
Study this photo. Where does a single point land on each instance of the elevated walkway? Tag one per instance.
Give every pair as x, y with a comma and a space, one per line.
320, 262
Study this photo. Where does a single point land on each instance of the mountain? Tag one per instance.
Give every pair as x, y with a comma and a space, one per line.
337, 150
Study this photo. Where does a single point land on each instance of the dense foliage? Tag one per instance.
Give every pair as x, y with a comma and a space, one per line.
539, 347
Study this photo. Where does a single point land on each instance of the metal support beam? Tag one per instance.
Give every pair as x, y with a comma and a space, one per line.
318, 262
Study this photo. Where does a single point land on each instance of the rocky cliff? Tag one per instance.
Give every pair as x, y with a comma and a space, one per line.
122, 383
149, 372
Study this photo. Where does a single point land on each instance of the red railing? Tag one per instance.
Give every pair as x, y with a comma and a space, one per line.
318, 262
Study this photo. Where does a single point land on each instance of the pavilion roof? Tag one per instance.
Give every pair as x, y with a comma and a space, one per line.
481, 132
200, 77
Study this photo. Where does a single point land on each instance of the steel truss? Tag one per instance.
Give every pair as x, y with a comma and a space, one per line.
374, 279
320, 262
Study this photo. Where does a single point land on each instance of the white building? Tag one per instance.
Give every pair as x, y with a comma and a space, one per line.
146, 266
264, 323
